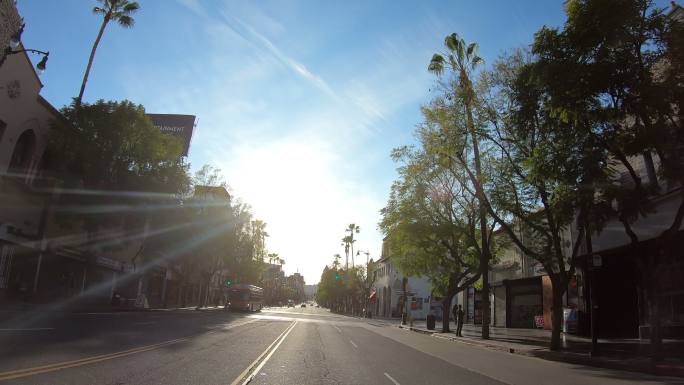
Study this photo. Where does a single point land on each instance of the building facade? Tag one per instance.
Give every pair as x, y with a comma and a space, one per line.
388, 290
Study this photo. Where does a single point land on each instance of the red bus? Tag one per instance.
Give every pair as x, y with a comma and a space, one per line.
245, 297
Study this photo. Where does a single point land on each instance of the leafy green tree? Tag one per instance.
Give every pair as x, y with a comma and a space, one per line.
543, 176
209, 175
118, 11
461, 59
430, 221
621, 62
259, 235
114, 156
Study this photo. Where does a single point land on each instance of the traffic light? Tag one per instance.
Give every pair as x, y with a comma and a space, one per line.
229, 282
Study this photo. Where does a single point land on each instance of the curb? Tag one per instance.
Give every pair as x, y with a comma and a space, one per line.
566, 357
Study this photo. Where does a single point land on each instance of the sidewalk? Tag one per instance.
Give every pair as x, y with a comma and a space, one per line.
623, 354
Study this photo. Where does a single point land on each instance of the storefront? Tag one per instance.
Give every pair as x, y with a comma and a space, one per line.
524, 302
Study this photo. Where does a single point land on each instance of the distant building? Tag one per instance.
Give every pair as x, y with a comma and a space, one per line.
295, 285
310, 291
273, 282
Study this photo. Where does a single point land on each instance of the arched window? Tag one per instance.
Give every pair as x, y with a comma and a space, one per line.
23, 153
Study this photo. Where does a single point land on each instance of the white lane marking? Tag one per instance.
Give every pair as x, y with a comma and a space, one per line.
352, 342
261, 365
392, 379
338, 329
23, 329
249, 368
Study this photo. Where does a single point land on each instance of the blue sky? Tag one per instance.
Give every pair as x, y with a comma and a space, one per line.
298, 102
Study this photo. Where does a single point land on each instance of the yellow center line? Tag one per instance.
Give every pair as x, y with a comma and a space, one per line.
83, 361
18, 373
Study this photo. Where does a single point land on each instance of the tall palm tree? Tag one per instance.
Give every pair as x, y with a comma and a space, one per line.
346, 241
462, 59
119, 11
352, 228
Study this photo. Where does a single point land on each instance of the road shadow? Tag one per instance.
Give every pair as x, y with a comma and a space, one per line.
63, 336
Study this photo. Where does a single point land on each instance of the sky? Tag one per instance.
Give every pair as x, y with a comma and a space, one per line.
299, 103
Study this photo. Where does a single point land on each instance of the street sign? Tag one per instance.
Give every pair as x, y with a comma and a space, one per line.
596, 260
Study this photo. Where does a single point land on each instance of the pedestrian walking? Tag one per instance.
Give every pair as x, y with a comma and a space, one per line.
459, 324
454, 311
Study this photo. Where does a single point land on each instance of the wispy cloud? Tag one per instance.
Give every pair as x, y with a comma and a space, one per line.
262, 42
304, 151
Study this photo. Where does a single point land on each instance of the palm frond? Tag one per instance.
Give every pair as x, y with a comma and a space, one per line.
472, 50
451, 41
476, 61
460, 51
131, 7
436, 65
125, 21
99, 11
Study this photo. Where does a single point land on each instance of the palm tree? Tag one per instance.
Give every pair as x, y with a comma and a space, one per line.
352, 228
346, 241
462, 59
119, 11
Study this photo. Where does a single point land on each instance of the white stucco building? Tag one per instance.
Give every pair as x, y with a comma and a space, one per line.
389, 291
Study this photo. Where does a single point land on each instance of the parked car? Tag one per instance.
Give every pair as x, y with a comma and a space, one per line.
303, 305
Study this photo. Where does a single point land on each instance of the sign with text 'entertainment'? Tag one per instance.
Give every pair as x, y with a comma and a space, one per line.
176, 125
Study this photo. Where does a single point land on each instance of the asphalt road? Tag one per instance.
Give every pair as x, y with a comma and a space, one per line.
275, 346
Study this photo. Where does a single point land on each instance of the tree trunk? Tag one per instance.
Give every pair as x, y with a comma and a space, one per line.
484, 256
199, 296
352, 248
655, 334
105, 20
557, 313
656, 338
446, 311
486, 308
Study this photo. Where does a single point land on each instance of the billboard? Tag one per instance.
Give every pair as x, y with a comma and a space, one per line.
176, 125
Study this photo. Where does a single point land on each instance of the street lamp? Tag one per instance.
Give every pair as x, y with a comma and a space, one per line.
15, 42
40, 67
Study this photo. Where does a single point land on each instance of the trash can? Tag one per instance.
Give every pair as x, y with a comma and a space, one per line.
430, 320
